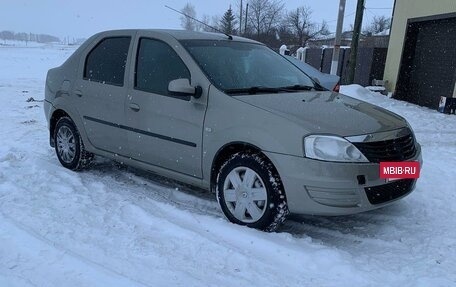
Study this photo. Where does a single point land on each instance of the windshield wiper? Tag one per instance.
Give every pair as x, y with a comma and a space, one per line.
298, 88
254, 90
316, 87
260, 89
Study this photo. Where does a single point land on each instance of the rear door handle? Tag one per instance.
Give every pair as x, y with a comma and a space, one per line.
134, 107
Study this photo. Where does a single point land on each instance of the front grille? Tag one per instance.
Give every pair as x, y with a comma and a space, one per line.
387, 192
398, 149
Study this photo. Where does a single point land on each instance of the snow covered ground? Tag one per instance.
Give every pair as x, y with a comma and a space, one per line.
117, 226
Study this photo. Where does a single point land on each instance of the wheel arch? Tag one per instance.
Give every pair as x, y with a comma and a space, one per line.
226, 151
56, 115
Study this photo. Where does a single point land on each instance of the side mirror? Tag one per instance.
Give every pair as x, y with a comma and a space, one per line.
182, 87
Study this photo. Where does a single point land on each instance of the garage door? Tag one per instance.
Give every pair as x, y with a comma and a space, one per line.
428, 65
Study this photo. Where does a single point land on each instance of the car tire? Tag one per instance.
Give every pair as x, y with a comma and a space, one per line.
250, 192
69, 146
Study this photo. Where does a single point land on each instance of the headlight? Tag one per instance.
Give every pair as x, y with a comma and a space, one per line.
331, 148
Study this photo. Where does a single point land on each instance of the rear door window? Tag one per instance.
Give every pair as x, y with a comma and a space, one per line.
106, 62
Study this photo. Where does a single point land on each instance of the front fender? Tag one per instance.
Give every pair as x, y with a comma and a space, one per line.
229, 120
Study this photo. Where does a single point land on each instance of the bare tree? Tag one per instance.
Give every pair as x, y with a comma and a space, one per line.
299, 23
206, 19
7, 35
211, 24
186, 22
41, 38
378, 25
264, 16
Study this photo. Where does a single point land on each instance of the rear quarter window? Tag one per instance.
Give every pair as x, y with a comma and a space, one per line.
106, 62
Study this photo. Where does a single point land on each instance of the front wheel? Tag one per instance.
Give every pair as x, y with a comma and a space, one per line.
250, 192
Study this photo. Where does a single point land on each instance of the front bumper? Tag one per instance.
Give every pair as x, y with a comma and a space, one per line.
333, 188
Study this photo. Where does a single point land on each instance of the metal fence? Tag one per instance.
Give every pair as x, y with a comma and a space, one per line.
370, 63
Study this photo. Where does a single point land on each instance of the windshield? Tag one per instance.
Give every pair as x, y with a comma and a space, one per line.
237, 66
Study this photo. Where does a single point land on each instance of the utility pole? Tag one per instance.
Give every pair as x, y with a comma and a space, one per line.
240, 21
246, 19
355, 41
336, 50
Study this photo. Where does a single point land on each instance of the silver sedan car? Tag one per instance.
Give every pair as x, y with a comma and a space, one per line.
227, 114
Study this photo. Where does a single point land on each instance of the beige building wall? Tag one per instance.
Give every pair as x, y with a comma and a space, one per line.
404, 10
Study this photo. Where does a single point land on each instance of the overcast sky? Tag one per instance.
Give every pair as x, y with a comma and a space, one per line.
82, 18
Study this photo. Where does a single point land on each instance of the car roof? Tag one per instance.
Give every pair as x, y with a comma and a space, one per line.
188, 35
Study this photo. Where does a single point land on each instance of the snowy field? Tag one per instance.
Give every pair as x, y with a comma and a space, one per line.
116, 226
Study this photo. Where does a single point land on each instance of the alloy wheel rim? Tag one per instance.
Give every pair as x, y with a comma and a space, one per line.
66, 146
245, 194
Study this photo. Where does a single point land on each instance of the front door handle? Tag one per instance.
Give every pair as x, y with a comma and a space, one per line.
134, 107
78, 93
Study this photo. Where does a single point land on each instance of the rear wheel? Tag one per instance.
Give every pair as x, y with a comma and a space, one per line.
69, 146
250, 192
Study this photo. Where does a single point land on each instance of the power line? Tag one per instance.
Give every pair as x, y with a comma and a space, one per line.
369, 10
348, 15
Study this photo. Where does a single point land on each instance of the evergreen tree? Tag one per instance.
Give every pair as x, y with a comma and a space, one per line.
228, 22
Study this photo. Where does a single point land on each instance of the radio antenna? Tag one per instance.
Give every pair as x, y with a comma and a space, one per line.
201, 22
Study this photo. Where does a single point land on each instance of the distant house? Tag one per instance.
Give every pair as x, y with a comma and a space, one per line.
421, 59
345, 40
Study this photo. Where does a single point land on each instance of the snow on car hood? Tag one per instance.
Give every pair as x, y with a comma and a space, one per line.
327, 112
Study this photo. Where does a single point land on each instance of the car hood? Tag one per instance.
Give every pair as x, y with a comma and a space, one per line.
327, 112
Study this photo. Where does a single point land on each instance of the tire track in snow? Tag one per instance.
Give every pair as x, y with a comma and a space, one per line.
124, 280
